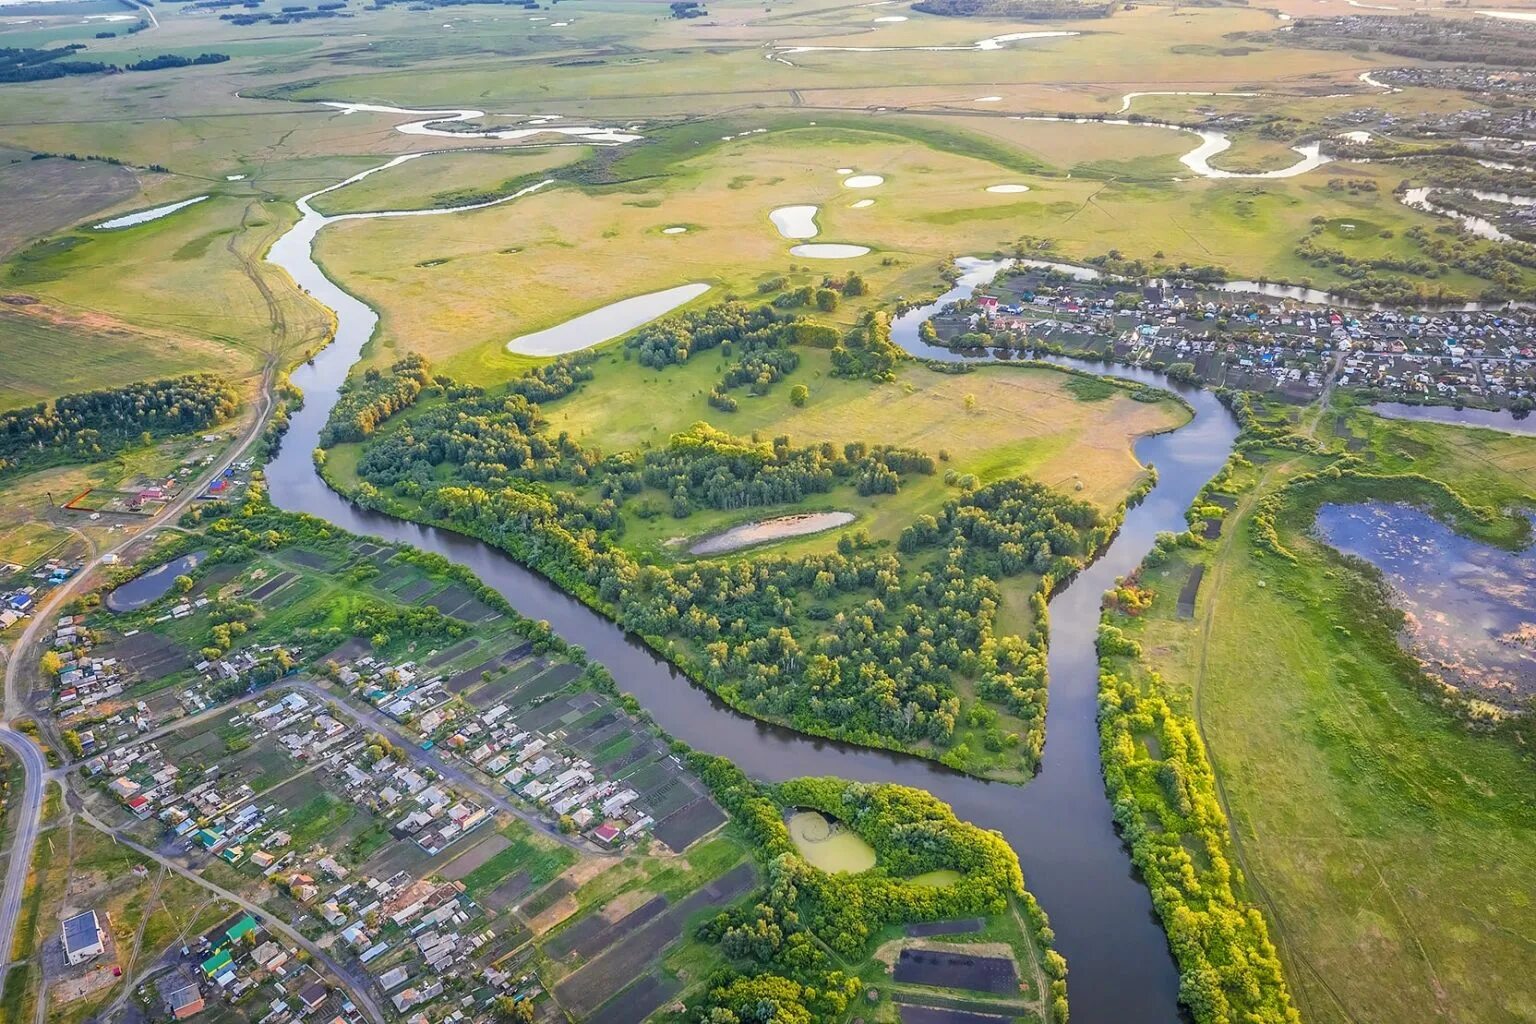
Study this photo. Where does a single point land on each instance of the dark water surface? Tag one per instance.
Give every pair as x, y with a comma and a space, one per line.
150, 586
1501, 421
1060, 825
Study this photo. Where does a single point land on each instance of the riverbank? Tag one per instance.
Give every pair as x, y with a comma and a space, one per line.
1101, 913
1369, 808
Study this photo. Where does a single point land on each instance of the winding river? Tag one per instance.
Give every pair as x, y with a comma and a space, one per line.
1060, 824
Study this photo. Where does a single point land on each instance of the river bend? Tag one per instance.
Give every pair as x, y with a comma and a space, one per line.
1060, 823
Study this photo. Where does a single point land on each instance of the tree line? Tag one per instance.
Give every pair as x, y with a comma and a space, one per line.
29, 64
92, 425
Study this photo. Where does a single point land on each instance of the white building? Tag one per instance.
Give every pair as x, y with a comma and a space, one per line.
83, 938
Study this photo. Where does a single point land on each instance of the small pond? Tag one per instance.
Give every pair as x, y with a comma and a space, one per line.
765, 530
829, 845
152, 585
128, 220
1470, 608
794, 221
606, 323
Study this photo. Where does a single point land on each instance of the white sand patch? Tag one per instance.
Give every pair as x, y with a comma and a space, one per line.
1355, 136
988, 99
863, 181
676, 229
862, 204
1008, 188
829, 251
234, 177
1510, 15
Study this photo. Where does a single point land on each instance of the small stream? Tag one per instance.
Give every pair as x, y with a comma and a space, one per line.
1059, 824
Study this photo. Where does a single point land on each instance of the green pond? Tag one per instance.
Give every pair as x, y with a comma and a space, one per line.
937, 879
829, 845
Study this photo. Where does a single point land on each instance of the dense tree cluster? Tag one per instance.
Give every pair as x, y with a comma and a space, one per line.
777, 944
94, 424
173, 60
867, 351
553, 380
487, 438
672, 340
28, 64
369, 400
706, 466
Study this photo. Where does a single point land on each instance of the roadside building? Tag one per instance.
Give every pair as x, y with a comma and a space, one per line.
84, 938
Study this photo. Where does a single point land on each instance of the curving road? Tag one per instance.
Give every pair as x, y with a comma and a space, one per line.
29, 814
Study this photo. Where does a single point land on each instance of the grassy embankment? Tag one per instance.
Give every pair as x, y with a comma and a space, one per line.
1374, 824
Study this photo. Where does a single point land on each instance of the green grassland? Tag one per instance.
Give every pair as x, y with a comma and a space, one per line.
103, 354
459, 292
1373, 826
458, 289
447, 178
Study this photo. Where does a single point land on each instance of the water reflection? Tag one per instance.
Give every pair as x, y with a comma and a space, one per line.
1471, 608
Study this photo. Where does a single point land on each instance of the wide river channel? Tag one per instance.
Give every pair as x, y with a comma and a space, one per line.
1060, 824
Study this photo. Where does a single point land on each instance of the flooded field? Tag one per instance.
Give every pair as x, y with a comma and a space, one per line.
1471, 609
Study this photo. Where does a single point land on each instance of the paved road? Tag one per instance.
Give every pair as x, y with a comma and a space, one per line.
27, 816
15, 698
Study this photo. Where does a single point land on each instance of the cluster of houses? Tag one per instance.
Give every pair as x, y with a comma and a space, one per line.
18, 598
431, 813
1482, 356
528, 762
414, 935
240, 960
84, 680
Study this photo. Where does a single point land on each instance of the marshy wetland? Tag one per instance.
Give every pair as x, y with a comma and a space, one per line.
1469, 609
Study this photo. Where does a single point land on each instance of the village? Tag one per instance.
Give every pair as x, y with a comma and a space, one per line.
1485, 358
407, 825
